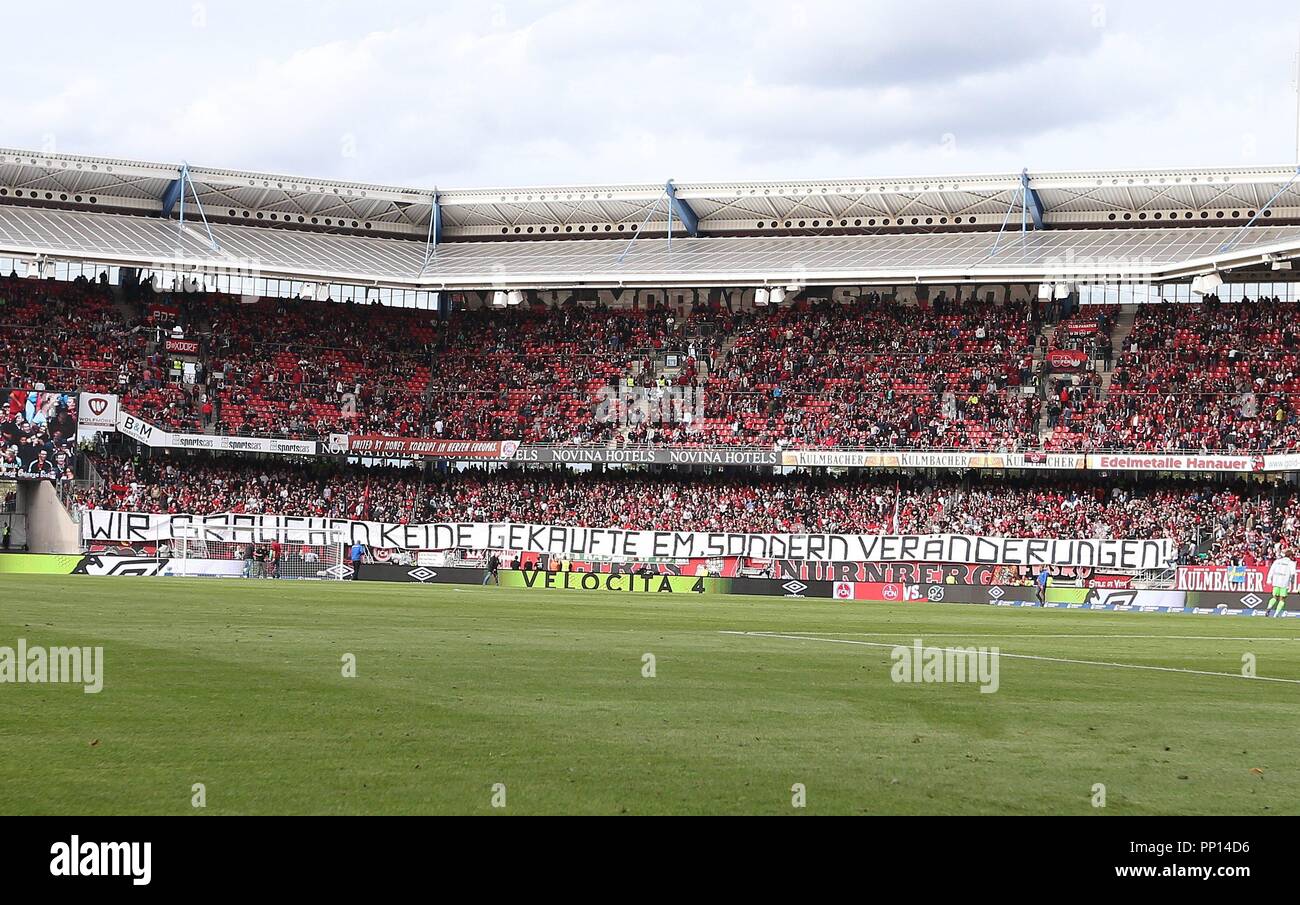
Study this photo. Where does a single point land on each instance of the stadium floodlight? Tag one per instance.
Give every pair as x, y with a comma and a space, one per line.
515, 297
777, 295
1207, 284
761, 297
498, 299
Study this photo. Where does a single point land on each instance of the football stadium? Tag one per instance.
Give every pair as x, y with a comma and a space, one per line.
650, 499
938, 495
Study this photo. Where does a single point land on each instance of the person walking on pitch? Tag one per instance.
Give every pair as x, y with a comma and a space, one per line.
1280, 576
1040, 586
354, 555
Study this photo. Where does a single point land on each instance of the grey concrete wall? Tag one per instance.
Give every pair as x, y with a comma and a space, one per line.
49, 529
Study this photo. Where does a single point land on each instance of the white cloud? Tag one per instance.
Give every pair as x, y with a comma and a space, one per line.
464, 94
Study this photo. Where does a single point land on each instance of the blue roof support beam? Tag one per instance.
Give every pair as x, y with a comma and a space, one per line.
1033, 203
689, 218
172, 195
435, 229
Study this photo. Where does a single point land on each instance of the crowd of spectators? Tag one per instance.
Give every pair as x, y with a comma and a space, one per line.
1208, 377
1227, 520
63, 336
878, 373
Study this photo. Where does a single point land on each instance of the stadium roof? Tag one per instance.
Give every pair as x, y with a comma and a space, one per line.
882, 231
1095, 255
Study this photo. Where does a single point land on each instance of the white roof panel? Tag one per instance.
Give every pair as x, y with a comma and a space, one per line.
1056, 254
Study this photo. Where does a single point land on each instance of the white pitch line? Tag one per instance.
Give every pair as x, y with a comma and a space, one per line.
1192, 672
913, 634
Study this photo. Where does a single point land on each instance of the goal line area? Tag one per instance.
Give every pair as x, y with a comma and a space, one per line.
257, 552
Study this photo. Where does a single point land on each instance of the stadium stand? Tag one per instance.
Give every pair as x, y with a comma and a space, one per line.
1209, 377
1049, 361
1221, 521
66, 334
878, 374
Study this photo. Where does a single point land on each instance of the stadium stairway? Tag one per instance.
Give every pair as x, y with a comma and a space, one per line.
1041, 346
724, 352
1123, 327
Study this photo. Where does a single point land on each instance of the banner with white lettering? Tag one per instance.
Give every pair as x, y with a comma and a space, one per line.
555, 540
1177, 462
183, 346
376, 445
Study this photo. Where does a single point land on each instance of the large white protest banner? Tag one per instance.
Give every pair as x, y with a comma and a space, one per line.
556, 540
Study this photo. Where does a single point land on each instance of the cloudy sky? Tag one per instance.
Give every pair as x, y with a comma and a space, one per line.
481, 93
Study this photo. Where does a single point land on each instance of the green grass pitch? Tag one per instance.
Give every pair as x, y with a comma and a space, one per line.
238, 685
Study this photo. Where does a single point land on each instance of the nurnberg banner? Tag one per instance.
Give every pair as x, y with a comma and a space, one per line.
618, 543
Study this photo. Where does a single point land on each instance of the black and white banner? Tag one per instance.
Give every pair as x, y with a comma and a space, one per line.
138, 527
